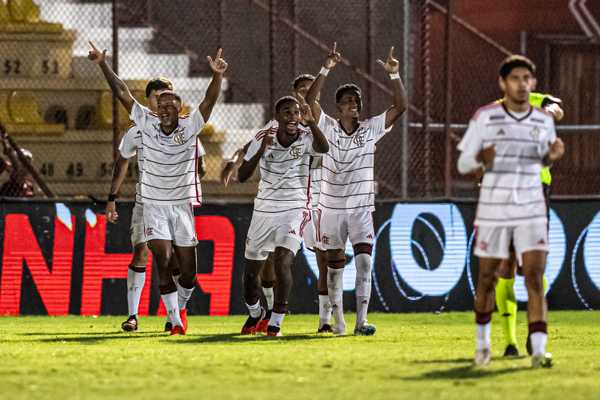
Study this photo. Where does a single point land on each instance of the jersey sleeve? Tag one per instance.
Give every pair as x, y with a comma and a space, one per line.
550, 137
326, 125
470, 145
376, 125
138, 114
196, 121
130, 142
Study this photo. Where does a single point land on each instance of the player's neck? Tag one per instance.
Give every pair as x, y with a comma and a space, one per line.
349, 124
284, 139
168, 130
516, 106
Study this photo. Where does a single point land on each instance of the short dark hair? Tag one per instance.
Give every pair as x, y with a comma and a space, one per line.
515, 61
349, 88
158, 84
301, 78
170, 93
283, 101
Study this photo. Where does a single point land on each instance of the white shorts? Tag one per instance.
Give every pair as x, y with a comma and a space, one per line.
310, 232
136, 229
170, 222
495, 241
334, 230
267, 232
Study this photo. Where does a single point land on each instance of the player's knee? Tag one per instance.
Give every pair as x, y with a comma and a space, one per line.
363, 248
336, 263
140, 255
267, 284
167, 287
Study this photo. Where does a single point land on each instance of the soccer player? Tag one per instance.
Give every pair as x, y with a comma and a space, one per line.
506, 301
347, 198
509, 142
136, 274
300, 87
281, 207
168, 180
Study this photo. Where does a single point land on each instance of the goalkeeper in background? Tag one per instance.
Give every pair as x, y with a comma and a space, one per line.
505, 293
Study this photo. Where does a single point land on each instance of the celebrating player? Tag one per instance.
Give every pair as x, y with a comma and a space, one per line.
281, 205
300, 87
509, 142
347, 198
168, 181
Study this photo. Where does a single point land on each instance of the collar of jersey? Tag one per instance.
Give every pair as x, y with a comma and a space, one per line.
524, 117
345, 131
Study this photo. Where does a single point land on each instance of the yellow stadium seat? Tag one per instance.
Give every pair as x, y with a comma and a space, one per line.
104, 113
4, 114
24, 11
19, 114
4, 14
23, 108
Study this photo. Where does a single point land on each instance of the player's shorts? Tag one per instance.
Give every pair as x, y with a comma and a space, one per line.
334, 230
310, 232
170, 222
495, 241
136, 229
268, 232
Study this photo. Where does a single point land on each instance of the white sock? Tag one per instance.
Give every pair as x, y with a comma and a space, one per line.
269, 296
254, 310
335, 289
483, 339
135, 284
538, 343
276, 319
363, 286
324, 310
170, 300
183, 295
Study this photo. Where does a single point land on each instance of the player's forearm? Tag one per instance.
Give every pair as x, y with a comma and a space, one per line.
211, 96
119, 173
320, 143
400, 97
314, 90
118, 87
247, 168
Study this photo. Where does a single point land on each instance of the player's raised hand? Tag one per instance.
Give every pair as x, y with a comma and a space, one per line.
333, 58
267, 141
307, 115
96, 55
218, 64
391, 65
557, 150
111, 212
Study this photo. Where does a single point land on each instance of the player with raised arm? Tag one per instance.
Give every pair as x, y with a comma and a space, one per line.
168, 181
347, 198
282, 206
509, 142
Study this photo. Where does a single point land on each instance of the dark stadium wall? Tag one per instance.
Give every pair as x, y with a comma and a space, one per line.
62, 259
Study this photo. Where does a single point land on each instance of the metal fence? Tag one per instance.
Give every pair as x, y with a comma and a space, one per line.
55, 103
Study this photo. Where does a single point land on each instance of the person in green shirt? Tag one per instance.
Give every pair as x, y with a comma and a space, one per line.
506, 301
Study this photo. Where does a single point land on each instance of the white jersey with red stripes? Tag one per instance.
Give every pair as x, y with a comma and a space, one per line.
511, 190
284, 173
168, 173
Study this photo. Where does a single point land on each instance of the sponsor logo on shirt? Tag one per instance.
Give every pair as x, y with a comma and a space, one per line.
501, 133
483, 245
148, 231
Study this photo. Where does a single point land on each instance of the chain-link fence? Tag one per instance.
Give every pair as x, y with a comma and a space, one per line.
55, 103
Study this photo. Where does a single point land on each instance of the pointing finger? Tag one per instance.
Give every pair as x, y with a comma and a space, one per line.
92, 44
333, 50
210, 60
219, 52
391, 55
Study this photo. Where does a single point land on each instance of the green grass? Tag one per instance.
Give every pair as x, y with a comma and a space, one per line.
412, 356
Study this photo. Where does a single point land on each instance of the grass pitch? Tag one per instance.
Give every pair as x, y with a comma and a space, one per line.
412, 356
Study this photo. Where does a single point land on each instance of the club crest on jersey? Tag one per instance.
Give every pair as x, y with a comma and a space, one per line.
535, 133
178, 138
359, 139
296, 151
501, 133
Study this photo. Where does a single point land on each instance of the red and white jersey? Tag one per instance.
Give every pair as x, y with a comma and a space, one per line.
168, 173
347, 176
284, 173
315, 169
511, 191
